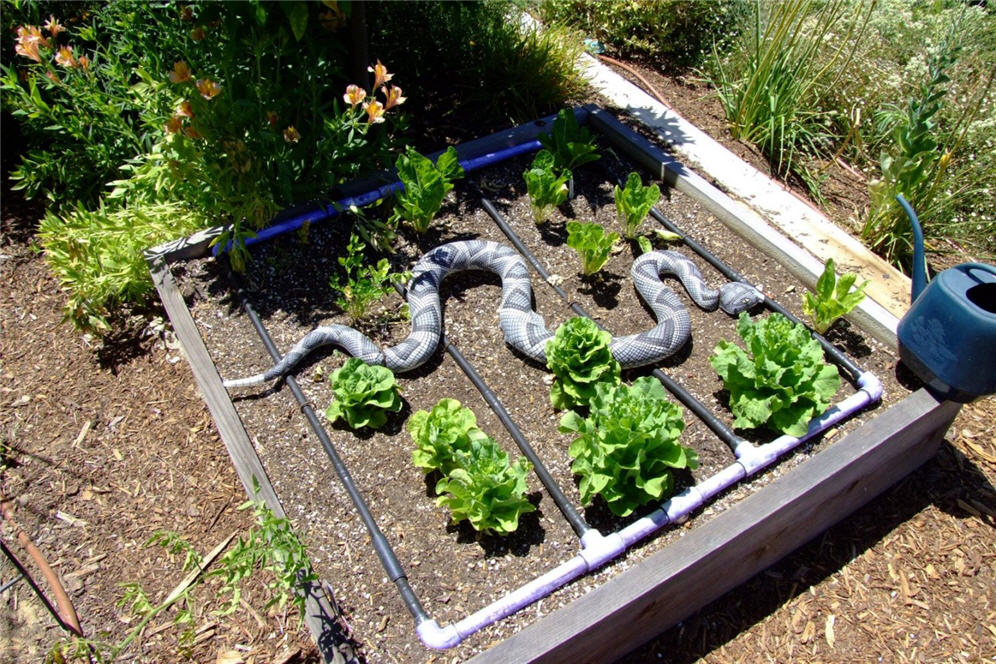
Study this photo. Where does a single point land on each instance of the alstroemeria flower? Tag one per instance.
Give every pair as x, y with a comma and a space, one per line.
174, 124
64, 57
53, 26
29, 38
84, 62
181, 72
271, 117
190, 132
354, 95
208, 88
291, 135
380, 74
394, 98
185, 110
375, 112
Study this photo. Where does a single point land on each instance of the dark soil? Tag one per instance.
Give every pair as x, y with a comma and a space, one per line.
105, 442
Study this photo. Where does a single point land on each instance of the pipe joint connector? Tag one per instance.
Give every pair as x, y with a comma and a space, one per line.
870, 384
436, 637
598, 549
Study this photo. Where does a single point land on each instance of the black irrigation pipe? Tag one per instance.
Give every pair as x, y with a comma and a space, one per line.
567, 508
380, 544
699, 409
835, 355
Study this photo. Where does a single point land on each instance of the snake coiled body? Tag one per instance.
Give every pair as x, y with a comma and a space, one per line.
523, 328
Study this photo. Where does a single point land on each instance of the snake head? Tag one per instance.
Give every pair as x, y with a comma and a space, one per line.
736, 296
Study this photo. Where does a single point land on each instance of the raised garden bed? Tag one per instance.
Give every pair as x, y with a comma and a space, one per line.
452, 572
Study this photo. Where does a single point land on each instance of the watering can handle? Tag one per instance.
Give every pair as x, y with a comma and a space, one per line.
919, 261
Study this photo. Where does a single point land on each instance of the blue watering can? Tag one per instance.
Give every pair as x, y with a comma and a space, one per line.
948, 337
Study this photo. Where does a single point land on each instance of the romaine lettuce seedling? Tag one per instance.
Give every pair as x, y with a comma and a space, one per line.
633, 203
547, 189
627, 448
571, 144
781, 380
833, 298
592, 243
426, 185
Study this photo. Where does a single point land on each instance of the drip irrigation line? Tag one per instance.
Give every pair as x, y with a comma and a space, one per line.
23, 572
835, 355
699, 409
563, 503
381, 546
5, 587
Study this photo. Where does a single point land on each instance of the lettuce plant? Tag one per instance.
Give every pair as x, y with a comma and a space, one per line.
580, 358
833, 297
426, 185
633, 202
479, 484
592, 243
364, 394
626, 449
571, 144
485, 489
546, 188
781, 380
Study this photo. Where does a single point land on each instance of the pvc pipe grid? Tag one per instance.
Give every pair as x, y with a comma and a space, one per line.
596, 548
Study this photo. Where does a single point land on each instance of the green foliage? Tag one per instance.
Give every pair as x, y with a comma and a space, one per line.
364, 394
627, 448
97, 254
781, 380
592, 243
677, 34
426, 185
363, 283
580, 358
833, 297
546, 188
485, 489
478, 483
442, 432
633, 203
571, 144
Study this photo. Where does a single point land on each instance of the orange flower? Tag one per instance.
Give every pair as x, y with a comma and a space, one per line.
84, 62
181, 72
64, 57
190, 132
208, 88
53, 26
375, 112
29, 38
185, 110
271, 117
51, 76
197, 33
394, 98
354, 95
174, 124
380, 74
291, 135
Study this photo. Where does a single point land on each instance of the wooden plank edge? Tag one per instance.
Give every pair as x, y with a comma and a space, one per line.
643, 601
320, 616
869, 315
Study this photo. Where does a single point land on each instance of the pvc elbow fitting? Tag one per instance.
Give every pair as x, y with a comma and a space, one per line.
436, 637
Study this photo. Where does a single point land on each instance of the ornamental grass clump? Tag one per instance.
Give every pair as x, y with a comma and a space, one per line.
364, 395
781, 381
627, 449
580, 358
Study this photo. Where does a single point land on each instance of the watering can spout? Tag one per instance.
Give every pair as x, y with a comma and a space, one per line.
919, 262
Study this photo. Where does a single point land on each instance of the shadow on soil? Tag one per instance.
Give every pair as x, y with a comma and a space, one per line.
943, 481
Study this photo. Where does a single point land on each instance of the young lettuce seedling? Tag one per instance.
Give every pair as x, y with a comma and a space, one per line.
633, 203
426, 185
364, 394
580, 358
833, 298
546, 188
571, 144
592, 243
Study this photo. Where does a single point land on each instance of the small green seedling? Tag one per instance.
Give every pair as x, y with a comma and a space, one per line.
571, 144
833, 298
363, 283
633, 203
426, 185
580, 357
364, 394
547, 189
592, 243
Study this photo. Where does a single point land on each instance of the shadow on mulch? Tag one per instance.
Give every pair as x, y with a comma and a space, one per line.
941, 482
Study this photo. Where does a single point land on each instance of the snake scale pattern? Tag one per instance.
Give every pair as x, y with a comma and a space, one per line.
523, 328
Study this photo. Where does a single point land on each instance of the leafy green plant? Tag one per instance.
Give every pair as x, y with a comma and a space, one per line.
833, 297
97, 254
580, 358
781, 380
441, 433
627, 448
633, 203
425, 185
592, 244
546, 188
484, 489
364, 394
362, 283
571, 144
